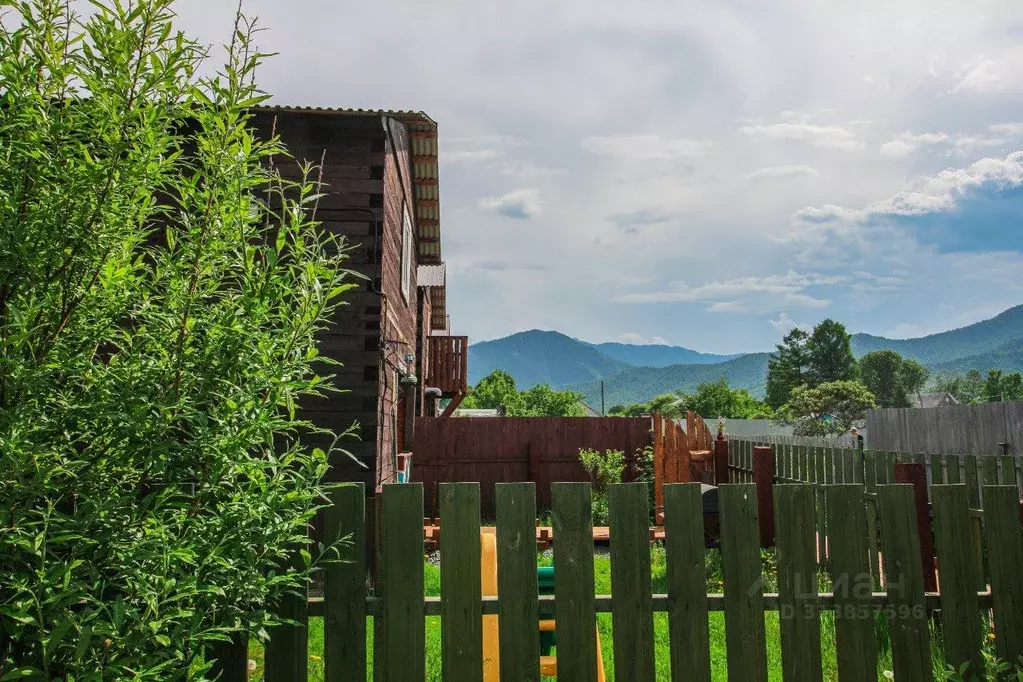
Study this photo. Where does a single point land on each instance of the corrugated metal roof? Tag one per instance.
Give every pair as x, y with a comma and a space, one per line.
400, 114
432, 275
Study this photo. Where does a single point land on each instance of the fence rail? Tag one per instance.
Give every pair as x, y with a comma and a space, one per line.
872, 568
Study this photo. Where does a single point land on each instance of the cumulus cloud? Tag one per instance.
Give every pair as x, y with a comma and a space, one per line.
782, 173
835, 233
784, 323
519, 204
824, 136
646, 147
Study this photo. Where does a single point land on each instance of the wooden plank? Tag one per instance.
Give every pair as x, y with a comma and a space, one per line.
937, 471
632, 604
1005, 555
687, 583
972, 479
796, 541
287, 653
1009, 470
231, 659
516, 582
907, 616
958, 571
744, 600
658, 460
990, 471
856, 642
344, 586
460, 583
819, 480
953, 476
916, 475
575, 610
401, 556
763, 468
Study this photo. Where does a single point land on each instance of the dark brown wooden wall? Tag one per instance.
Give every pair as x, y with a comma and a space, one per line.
367, 176
508, 449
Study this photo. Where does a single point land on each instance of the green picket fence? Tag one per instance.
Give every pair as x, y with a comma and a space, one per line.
399, 606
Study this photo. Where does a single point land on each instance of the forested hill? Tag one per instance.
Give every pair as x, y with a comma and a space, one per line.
635, 373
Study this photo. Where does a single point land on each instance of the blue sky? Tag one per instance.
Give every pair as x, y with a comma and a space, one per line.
706, 174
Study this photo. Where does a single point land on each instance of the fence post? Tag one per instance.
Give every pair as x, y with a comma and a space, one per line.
916, 475
720, 460
763, 473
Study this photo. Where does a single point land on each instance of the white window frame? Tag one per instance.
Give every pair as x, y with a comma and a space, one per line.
406, 253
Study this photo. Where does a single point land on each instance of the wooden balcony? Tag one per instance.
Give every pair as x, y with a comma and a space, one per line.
448, 364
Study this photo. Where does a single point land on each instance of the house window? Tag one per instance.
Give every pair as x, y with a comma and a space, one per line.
406, 255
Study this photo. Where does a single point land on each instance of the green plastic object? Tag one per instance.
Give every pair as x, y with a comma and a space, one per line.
545, 585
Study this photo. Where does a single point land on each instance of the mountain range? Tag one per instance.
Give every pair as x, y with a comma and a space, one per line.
635, 373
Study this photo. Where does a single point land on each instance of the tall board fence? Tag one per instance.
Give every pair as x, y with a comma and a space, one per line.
855, 588
494, 450
987, 429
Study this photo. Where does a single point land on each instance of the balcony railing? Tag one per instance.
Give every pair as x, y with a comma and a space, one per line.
449, 362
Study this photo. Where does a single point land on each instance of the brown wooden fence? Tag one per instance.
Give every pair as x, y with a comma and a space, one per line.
509, 449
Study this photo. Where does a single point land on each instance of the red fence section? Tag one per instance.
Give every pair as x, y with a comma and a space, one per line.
508, 449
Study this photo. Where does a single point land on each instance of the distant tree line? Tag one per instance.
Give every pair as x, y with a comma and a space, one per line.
712, 399
497, 390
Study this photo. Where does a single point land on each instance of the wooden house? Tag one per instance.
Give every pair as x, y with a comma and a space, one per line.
379, 170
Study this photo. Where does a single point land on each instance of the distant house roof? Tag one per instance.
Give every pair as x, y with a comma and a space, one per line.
590, 412
929, 400
473, 412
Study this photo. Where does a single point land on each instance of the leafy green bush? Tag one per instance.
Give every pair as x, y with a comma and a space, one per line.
605, 468
160, 291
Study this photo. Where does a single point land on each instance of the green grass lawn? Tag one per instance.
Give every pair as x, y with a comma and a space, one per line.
602, 576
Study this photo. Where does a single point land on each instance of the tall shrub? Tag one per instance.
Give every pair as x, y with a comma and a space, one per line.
160, 291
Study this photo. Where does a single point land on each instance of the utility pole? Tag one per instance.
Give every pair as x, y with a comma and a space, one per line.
602, 398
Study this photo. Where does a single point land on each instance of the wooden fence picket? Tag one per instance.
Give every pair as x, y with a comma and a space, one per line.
574, 606
1009, 470
799, 619
519, 612
960, 613
937, 471
344, 587
231, 659
632, 606
1005, 553
687, 583
745, 639
404, 622
287, 652
855, 641
911, 652
461, 600
953, 465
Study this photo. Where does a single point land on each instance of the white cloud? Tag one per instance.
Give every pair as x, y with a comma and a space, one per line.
979, 75
469, 155
906, 330
907, 143
744, 294
784, 323
636, 339
646, 147
519, 204
526, 170
783, 172
826, 137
